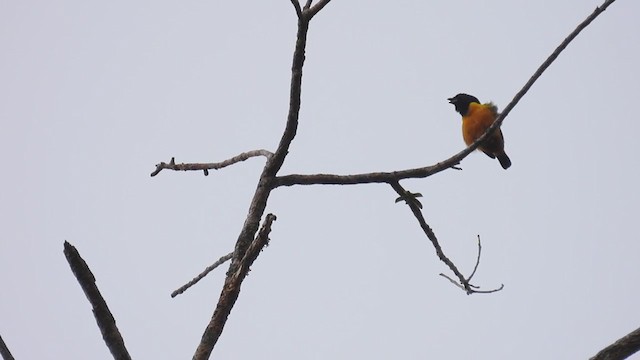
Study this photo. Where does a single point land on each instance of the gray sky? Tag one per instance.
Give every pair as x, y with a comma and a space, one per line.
92, 95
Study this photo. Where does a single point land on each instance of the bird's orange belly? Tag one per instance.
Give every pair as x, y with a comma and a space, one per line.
475, 124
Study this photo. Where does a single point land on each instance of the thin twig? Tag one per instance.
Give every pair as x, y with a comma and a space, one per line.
389, 177
475, 268
101, 312
456, 283
210, 166
473, 290
431, 236
200, 276
554, 55
4, 351
622, 348
463, 283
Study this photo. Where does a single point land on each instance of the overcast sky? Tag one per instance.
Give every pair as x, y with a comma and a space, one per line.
94, 94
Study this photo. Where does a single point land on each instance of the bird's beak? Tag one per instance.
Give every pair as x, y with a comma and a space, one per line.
450, 100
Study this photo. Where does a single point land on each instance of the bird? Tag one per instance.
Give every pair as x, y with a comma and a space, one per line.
476, 119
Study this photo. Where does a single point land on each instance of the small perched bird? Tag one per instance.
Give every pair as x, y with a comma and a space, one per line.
476, 119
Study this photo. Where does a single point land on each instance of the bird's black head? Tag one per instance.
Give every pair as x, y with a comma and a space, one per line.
462, 101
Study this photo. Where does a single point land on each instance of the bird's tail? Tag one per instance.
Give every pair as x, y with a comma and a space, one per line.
505, 162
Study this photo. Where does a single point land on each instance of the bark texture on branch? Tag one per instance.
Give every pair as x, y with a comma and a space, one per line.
622, 348
101, 312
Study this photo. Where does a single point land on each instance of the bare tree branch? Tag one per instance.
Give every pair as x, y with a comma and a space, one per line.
415, 209
462, 287
231, 290
4, 350
296, 5
258, 204
389, 177
200, 276
365, 178
254, 249
622, 348
598, 10
317, 7
308, 4
475, 268
210, 166
101, 312
427, 230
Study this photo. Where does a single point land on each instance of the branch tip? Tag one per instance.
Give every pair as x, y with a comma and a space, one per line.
204, 273
104, 318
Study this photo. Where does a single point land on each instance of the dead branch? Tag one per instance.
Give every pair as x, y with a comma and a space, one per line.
4, 350
365, 178
464, 283
231, 290
210, 166
316, 8
468, 280
101, 312
200, 276
475, 268
255, 248
622, 348
296, 6
258, 204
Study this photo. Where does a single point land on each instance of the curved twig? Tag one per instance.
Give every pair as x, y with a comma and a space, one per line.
415, 206
473, 290
475, 268
210, 166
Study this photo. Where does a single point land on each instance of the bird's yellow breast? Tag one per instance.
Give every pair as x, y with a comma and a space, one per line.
478, 118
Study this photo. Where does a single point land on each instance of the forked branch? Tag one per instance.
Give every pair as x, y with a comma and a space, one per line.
463, 283
466, 284
231, 290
